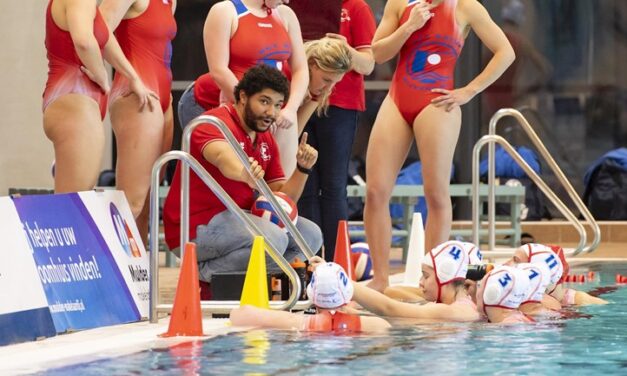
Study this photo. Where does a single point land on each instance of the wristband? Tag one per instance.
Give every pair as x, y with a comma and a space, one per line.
302, 169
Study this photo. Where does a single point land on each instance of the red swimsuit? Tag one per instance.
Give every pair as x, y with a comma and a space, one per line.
64, 73
426, 60
336, 322
147, 43
257, 40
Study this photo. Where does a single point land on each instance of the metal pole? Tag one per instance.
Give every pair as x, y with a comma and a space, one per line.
190, 161
532, 175
572, 193
261, 184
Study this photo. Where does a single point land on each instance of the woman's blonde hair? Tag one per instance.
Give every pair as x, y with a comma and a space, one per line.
330, 55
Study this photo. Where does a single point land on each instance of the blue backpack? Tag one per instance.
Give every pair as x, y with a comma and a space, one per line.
506, 167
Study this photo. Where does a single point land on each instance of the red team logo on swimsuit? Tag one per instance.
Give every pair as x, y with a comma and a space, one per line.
273, 54
430, 65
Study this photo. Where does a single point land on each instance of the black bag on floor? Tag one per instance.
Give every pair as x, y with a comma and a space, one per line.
605, 192
534, 208
356, 169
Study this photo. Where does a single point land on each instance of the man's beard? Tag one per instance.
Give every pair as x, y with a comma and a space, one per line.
252, 121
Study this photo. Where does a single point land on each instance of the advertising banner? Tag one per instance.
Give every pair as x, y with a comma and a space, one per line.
114, 219
83, 285
24, 313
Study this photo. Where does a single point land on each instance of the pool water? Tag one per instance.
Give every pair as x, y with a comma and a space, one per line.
593, 338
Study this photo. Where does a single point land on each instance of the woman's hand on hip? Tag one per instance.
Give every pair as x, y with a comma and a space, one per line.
144, 95
452, 98
103, 82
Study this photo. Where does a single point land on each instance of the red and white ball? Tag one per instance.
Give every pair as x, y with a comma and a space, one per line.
262, 208
362, 263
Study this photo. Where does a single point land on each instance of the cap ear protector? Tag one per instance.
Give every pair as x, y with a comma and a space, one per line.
449, 261
505, 287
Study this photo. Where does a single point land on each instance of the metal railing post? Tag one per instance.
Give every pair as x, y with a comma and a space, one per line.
572, 193
261, 184
217, 306
491, 139
188, 161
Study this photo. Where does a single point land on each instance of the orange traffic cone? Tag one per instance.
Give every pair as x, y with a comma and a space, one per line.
186, 319
342, 254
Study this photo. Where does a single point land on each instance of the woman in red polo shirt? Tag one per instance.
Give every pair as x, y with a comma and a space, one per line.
332, 133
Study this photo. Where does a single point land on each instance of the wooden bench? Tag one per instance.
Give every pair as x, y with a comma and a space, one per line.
407, 196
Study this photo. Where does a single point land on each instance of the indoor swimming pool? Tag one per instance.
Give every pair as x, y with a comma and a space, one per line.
586, 338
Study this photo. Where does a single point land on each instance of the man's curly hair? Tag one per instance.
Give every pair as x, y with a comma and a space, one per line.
262, 77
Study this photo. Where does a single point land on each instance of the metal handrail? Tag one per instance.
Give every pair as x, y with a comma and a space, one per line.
491, 140
260, 183
572, 193
215, 306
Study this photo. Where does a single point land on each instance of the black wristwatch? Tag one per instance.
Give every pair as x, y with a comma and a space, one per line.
304, 170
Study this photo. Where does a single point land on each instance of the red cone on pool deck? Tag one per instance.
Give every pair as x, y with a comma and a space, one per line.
186, 319
342, 254
582, 278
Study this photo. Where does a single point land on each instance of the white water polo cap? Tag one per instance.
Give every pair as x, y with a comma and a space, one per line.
474, 254
449, 261
505, 287
539, 279
330, 286
540, 253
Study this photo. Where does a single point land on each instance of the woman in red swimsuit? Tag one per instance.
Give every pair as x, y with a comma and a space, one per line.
75, 98
423, 105
238, 35
144, 29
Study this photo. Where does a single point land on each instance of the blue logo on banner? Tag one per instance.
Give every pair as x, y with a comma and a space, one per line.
82, 282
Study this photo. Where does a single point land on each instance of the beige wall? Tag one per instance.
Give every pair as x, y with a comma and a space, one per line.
25, 152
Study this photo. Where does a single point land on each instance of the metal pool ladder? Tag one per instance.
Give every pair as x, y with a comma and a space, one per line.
187, 162
492, 138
